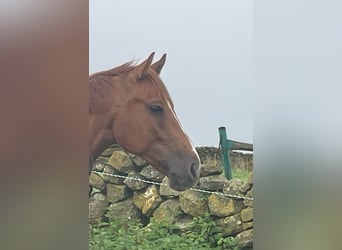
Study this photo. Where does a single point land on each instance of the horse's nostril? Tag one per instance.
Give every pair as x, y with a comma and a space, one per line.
194, 169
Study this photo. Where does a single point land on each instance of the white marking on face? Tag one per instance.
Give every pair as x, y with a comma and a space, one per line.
180, 125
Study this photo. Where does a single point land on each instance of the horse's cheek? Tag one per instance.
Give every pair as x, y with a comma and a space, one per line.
125, 137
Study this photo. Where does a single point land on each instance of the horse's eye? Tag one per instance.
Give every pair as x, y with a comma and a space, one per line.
155, 108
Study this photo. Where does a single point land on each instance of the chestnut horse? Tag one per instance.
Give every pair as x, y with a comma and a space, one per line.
129, 105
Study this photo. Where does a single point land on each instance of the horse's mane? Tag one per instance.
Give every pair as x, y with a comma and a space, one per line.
100, 82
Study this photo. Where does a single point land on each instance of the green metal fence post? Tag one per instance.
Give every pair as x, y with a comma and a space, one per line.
224, 152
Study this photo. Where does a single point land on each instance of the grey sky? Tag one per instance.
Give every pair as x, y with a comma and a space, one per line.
209, 45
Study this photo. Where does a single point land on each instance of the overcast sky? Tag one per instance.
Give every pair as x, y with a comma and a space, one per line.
208, 70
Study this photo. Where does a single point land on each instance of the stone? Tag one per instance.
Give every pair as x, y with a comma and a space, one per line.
109, 150
246, 187
138, 161
193, 203
210, 169
135, 184
112, 179
169, 210
247, 225
184, 223
224, 206
97, 208
249, 194
245, 239
166, 190
213, 182
247, 214
208, 154
233, 187
124, 209
96, 181
147, 200
151, 173
121, 162
231, 225
242, 161
102, 159
116, 193
99, 166
250, 178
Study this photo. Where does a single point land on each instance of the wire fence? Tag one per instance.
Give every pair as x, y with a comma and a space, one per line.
163, 184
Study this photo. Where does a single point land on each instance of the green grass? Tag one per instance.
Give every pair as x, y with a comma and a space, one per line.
240, 173
126, 235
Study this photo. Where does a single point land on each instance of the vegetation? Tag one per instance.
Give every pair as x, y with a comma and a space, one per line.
240, 173
128, 234
124, 234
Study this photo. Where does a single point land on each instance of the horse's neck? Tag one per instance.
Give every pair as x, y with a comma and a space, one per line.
101, 121
99, 137
100, 132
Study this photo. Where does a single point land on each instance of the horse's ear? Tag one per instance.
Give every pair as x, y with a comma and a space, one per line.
157, 66
141, 70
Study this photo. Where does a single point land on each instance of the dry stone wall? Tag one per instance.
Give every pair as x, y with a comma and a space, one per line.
238, 159
132, 198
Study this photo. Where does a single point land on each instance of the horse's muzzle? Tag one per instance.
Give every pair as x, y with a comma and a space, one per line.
184, 177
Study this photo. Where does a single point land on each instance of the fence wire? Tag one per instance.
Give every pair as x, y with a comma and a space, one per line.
163, 184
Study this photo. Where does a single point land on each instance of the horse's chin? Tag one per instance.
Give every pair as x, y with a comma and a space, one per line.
180, 187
